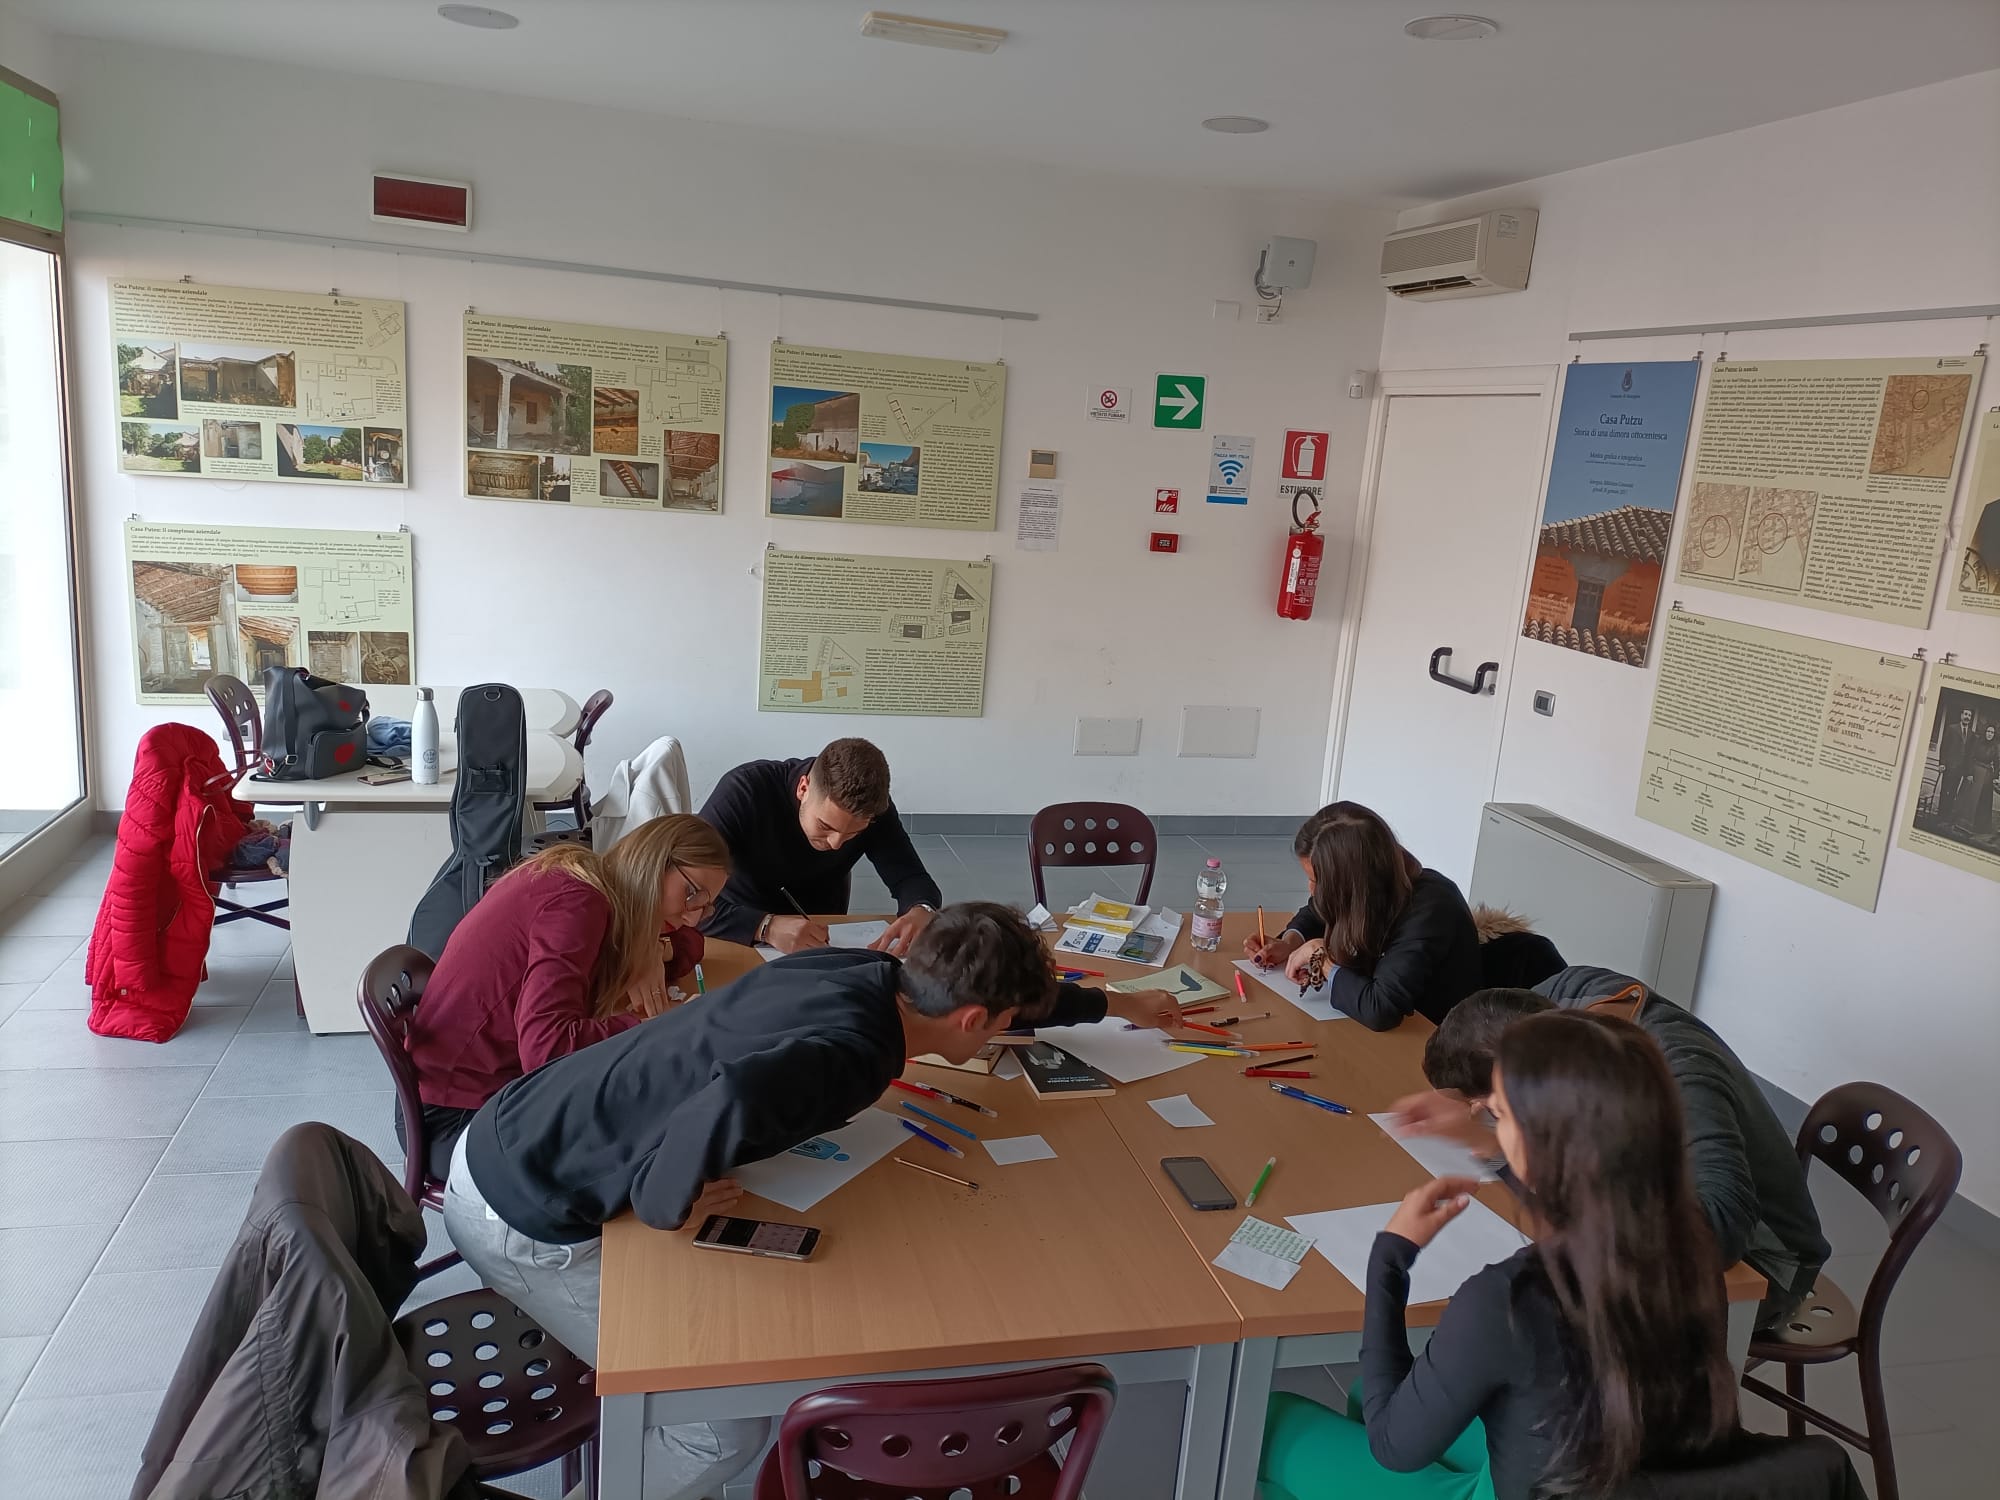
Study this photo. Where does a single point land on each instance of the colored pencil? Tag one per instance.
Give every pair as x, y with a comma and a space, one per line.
933, 1172
1068, 973
1273, 1046
1239, 988
1208, 1051
1281, 1062
938, 1120
1204, 1026
700, 981
1197, 1044
917, 1130
1196, 1010
1262, 1178
1262, 941
1279, 1073
931, 1091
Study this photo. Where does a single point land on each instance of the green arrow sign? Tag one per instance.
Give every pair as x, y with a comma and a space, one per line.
1177, 400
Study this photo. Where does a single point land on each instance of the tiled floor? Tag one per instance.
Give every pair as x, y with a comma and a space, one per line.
126, 1167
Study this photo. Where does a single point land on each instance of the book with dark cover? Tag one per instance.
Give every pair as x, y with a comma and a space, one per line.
1055, 1074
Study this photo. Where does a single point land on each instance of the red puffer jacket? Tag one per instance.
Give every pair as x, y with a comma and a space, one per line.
149, 949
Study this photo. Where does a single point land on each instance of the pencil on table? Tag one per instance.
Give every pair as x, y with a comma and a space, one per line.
933, 1172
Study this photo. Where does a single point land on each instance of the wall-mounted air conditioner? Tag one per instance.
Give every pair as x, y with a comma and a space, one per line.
1465, 258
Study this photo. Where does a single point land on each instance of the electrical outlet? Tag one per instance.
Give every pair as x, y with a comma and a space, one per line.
1268, 314
1545, 703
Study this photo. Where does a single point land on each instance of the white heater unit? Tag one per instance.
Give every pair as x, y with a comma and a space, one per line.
1465, 258
1599, 901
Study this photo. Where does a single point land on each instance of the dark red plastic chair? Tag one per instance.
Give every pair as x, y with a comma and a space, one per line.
1907, 1167
1092, 833
390, 988
986, 1436
578, 801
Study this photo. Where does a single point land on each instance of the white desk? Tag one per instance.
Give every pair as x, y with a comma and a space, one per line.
547, 709
362, 856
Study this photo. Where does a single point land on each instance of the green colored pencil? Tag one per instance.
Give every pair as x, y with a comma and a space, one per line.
1262, 1178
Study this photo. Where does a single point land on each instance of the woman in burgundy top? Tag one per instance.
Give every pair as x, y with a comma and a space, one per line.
567, 949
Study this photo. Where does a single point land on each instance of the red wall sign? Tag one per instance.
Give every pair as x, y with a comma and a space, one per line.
1305, 455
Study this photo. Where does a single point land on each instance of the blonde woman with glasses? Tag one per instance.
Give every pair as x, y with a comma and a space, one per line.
568, 948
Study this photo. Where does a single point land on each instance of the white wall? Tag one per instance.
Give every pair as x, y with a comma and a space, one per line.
663, 609
1885, 204
27, 49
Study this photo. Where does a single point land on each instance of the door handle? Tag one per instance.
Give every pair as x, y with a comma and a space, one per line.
1482, 679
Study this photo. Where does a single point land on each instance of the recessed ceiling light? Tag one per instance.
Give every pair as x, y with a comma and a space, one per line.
887, 26
1236, 125
1451, 28
485, 17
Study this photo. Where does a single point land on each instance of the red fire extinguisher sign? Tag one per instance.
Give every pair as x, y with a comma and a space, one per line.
1305, 455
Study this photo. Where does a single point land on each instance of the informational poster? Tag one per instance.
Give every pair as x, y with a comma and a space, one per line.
1779, 749
1975, 588
1609, 511
874, 635
234, 600
579, 414
230, 383
1827, 483
1949, 813
1229, 461
885, 438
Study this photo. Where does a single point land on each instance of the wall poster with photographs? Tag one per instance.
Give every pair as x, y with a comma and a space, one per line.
1828, 482
1950, 813
579, 414
886, 438
236, 600
1976, 588
235, 383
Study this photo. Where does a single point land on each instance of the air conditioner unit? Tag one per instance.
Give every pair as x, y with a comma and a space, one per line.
1465, 258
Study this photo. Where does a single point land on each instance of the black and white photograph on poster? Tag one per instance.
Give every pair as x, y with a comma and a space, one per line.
1955, 792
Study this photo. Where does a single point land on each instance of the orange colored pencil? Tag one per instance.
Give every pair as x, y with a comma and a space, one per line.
1212, 1030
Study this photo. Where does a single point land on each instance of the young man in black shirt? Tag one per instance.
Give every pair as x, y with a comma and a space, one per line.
656, 1118
796, 829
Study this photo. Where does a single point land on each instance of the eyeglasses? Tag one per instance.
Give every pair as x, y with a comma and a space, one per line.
694, 897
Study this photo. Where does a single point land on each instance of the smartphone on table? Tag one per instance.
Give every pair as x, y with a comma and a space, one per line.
1197, 1182
758, 1237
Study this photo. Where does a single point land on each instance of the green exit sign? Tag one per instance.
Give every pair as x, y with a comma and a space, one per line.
1178, 400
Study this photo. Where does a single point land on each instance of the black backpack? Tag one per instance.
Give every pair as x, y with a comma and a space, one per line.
486, 809
312, 727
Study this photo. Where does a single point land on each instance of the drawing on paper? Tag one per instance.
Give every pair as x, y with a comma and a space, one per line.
1777, 534
832, 680
914, 414
685, 390
1918, 431
1715, 529
352, 593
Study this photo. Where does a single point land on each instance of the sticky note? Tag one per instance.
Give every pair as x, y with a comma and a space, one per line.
1019, 1148
1180, 1111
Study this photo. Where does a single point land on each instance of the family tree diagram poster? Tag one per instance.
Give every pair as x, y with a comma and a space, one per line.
237, 600
889, 438
1828, 482
874, 635
230, 382
581, 414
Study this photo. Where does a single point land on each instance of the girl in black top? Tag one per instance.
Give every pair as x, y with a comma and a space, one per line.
1385, 934
1592, 1353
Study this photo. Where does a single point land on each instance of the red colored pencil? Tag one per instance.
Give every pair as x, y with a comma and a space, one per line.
1196, 1010
1239, 988
1272, 1046
1276, 1073
1279, 1062
1214, 1030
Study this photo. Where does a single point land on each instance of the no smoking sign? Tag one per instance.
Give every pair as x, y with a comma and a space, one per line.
1110, 403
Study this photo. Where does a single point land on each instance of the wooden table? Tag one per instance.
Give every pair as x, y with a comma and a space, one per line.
1325, 1161
1095, 1268
1072, 1258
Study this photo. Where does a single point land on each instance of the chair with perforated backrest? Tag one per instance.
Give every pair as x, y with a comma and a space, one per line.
233, 700
578, 801
1091, 833
1903, 1162
984, 1436
390, 988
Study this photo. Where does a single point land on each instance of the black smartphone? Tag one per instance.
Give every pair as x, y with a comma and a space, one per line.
758, 1237
1197, 1182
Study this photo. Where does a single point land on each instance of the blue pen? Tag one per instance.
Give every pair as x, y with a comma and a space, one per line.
940, 1120
915, 1129
1301, 1094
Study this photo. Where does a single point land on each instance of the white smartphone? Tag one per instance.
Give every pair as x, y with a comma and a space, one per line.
758, 1237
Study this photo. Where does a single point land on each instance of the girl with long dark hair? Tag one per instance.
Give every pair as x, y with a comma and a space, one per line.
1387, 936
1592, 1353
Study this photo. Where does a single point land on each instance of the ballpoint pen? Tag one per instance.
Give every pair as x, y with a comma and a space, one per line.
794, 900
1258, 1186
1301, 1095
931, 1091
917, 1130
938, 1120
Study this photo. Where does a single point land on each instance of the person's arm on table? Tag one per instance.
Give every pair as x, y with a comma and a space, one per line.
902, 870
1304, 926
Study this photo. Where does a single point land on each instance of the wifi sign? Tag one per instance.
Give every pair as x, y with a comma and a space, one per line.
1229, 471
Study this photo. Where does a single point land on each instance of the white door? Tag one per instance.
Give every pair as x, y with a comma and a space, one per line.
1454, 517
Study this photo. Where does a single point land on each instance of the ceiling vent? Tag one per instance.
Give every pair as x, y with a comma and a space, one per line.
1465, 258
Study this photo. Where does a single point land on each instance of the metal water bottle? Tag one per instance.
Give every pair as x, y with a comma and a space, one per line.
424, 740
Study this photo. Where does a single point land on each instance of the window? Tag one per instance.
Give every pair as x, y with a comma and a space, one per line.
41, 752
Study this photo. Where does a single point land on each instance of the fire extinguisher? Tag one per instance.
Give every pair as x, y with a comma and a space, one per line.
1299, 580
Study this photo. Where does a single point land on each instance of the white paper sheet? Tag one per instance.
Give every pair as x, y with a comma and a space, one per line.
1469, 1243
766, 952
1264, 1252
799, 1178
1316, 1003
1180, 1111
1018, 1148
1107, 1046
1040, 523
1040, 918
1435, 1154
854, 934
1008, 1064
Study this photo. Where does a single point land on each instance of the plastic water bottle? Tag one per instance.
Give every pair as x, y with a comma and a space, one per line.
424, 740
1208, 888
